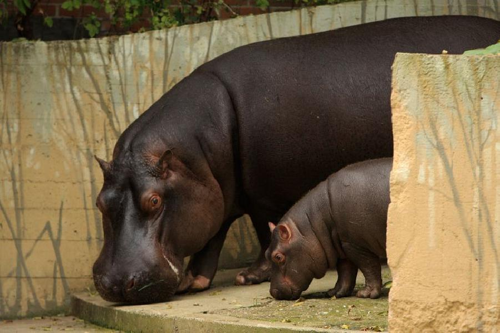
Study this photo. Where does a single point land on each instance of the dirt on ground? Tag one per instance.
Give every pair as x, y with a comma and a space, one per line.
319, 310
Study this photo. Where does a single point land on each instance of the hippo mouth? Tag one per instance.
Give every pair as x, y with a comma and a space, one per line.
152, 292
285, 293
285, 290
172, 266
140, 289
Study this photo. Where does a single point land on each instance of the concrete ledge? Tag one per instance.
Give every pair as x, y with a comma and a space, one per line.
148, 322
197, 312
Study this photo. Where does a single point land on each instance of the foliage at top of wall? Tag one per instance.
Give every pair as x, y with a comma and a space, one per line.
492, 49
126, 16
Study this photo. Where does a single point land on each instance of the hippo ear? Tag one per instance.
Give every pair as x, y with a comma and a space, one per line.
285, 232
105, 166
163, 162
271, 226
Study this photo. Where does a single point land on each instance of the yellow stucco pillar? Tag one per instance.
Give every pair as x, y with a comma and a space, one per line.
444, 219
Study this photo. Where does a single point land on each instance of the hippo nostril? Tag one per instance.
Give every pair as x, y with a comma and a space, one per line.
105, 283
276, 293
116, 290
130, 284
284, 294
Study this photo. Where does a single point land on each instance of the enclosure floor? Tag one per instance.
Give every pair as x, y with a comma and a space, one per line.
55, 324
229, 308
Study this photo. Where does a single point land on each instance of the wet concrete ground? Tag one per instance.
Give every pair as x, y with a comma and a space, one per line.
229, 308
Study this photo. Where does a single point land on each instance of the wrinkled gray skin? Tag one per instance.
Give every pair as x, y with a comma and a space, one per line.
249, 133
341, 224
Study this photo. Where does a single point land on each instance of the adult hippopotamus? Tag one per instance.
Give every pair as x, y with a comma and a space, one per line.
342, 224
250, 132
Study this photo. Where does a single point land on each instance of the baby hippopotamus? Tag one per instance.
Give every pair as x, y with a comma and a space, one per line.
340, 223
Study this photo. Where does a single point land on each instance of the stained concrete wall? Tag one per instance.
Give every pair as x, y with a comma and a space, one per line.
444, 218
63, 102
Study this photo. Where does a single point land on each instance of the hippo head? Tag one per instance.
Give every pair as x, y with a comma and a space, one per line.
156, 209
297, 258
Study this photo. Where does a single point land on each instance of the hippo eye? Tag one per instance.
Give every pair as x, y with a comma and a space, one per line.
279, 258
154, 201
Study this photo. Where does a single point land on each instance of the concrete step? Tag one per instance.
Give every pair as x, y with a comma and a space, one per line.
229, 308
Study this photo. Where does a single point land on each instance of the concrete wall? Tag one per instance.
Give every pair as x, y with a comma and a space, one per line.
63, 102
444, 219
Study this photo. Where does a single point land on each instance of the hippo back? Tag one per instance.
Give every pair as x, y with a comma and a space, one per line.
359, 200
307, 106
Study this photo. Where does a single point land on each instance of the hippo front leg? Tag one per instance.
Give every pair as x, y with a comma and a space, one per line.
260, 270
369, 264
346, 281
203, 265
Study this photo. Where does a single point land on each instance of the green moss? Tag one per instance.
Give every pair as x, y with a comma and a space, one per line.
315, 311
318, 310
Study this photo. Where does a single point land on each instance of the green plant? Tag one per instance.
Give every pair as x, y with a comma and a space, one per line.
23, 5
124, 14
24, 11
92, 24
135, 15
492, 49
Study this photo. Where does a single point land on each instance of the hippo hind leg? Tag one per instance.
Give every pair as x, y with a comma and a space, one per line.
346, 281
369, 264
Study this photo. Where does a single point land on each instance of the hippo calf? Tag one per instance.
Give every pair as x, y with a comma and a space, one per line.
341, 223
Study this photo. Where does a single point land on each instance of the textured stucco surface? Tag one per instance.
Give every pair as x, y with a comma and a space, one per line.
444, 218
63, 102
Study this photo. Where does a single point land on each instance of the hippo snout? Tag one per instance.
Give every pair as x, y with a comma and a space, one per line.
135, 289
277, 294
108, 290
119, 283
285, 294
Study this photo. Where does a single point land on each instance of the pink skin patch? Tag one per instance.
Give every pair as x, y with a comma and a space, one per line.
286, 281
200, 283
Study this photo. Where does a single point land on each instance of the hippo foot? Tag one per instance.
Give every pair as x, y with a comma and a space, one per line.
369, 292
193, 284
254, 275
340, 291
200, 283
